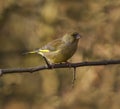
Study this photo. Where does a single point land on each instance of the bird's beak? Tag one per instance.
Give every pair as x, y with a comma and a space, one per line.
78, 36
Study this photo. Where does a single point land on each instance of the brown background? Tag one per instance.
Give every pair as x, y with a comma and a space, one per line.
29, 24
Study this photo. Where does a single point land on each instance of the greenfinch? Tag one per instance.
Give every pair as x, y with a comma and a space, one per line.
59, 50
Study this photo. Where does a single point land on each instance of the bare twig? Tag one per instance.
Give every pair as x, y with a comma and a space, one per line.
47, 62
74, 77
63, 65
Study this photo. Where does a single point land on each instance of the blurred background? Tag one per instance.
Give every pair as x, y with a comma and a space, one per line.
29, 24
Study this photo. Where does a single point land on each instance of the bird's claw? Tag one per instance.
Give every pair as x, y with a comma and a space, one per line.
69, 64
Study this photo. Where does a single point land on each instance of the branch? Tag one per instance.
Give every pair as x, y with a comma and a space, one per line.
54, 66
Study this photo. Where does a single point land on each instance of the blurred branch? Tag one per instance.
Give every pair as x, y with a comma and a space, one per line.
54, 66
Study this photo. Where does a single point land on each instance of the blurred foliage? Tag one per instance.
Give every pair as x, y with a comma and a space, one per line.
29, 24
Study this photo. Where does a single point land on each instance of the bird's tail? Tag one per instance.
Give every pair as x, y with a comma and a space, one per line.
40, 51
30, 52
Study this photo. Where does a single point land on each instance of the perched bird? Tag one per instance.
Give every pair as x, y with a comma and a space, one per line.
59, 50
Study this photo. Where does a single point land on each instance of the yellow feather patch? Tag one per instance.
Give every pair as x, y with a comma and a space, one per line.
44, 51
41, 52
32, 52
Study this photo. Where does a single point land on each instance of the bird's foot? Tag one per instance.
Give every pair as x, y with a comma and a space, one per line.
69, 64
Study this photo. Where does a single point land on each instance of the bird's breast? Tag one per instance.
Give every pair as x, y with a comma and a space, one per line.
62, 54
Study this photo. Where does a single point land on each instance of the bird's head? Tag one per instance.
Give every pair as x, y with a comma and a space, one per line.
75, 35
71, 37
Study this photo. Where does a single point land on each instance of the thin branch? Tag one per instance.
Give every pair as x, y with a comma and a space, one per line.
47, 62
74, 77
63, 65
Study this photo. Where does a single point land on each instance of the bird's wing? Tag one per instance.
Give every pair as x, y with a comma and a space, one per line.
52, 46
